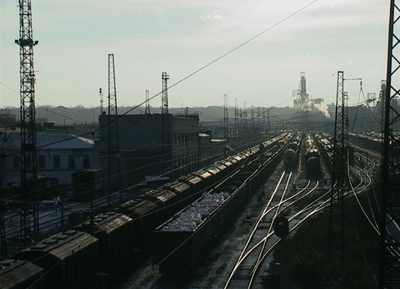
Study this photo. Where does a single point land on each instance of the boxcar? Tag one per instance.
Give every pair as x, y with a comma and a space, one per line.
194, 182
68, 260
144, 214
183, 191
165, 200
114, 232
17, 274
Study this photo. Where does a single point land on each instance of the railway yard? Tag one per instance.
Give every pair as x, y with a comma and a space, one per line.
242, 257
214, 228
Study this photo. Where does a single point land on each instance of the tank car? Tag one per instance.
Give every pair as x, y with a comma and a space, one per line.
312, 156
290, 154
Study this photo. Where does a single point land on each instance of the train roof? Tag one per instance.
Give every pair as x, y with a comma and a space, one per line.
220, 165
214, 170
160, 195
238, 157
203, 174
106, 223
232, 160
177, 186
15, 272
59, 246
191, 179
137, 208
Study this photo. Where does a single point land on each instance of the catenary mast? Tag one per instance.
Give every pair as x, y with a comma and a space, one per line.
28, 159
114, 164
389, 265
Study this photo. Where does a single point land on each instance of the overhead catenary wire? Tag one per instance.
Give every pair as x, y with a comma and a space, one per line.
212, 62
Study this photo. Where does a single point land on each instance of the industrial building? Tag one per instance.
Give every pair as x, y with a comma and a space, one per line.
152, 146
59, 154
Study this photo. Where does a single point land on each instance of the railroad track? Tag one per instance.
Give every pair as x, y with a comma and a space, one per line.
246, 273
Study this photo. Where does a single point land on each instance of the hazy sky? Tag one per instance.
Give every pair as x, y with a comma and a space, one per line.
148, 37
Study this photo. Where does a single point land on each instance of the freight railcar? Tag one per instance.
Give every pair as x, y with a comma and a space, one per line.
165, 201
292, 149
145, 215
68, 260
326, 148
114, 232
312, 157
19, 274
189, 233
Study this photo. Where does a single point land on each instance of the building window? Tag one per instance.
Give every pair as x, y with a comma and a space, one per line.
15, 162
57, 162
41, 163
71, 161
86, 162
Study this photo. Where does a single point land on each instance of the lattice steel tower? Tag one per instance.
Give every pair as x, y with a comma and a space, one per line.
28, 118
341, 134
389, 269
114, 164
165, 125
147, 102
340, 156
164, 108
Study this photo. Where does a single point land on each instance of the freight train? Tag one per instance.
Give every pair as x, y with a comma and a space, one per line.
182, 241
104, 247
291, 152
372, 140
325, 142
313, 160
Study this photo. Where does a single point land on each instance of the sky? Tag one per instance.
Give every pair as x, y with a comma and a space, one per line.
148, 37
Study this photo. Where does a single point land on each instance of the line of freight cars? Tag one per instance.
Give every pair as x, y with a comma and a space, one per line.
105, 247
291, 152
325, 142
372, 140
183, 240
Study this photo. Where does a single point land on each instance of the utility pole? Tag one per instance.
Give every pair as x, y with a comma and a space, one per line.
114, 163
28, 121
389, 262
263, 121
226, 119
165, 123
147, 99
245, 125
101, 100
236, 118
252, 118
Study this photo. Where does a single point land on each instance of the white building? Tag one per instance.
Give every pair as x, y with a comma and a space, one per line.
59, 156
